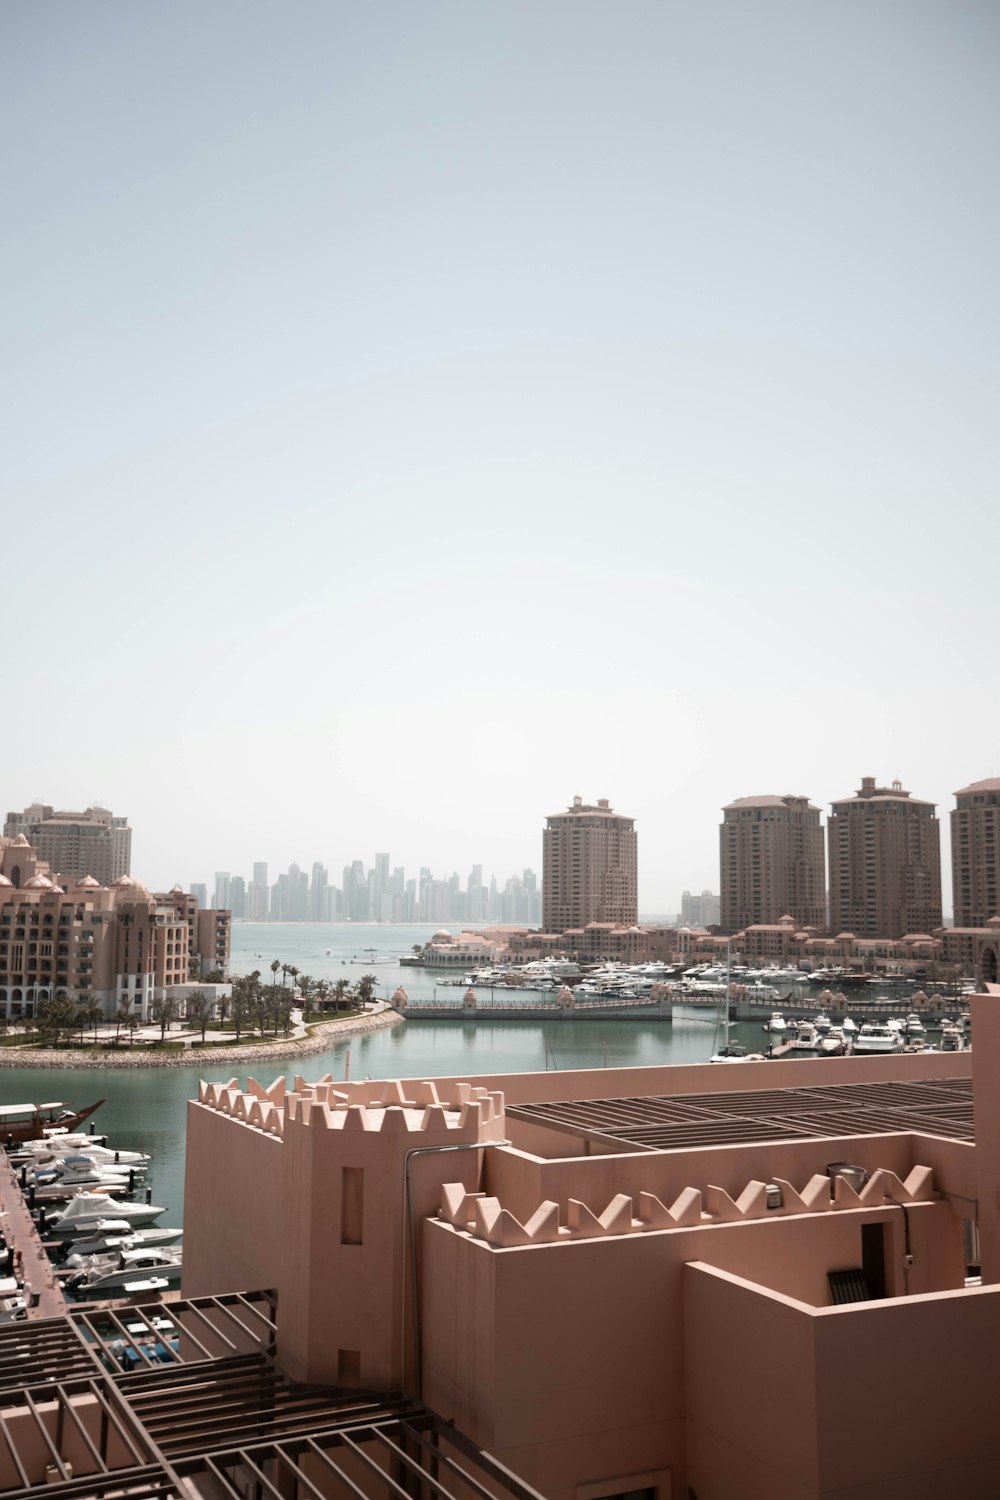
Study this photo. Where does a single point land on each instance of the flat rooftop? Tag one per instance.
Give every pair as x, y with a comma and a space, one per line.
941, 1106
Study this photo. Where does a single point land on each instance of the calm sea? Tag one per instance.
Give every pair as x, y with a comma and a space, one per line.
146, 1108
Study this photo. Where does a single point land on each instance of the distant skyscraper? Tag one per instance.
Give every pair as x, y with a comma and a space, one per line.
356, 892
257, 893
75, 844
298, 894
771, 862
317, 894
975, 853
705, 910
589, 867
237, 896
200, 894
885, 863
221, 898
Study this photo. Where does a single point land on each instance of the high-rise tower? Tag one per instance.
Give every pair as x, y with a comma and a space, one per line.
975, 853
771, 862
885, 863
589, 867
75, 844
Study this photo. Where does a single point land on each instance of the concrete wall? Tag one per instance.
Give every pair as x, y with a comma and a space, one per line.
567, 1360
891, 1400
706, 1078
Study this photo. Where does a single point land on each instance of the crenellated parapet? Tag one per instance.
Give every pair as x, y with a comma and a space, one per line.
485, 1218
392, 1106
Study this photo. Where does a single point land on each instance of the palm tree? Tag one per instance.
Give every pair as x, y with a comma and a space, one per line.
164, 1009
284, 974
339, 992
240, 1003
199, 1010
366, 988
275, 966
123, 1016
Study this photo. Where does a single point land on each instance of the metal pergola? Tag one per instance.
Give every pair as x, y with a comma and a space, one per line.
941, 1106
180, 1400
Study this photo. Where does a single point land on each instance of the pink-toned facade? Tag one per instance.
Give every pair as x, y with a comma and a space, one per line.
884, 850
624, 1280
771, 861
112, 946
589, 867
975, 853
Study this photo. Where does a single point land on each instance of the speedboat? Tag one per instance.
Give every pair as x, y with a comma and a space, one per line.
832, 1044
735, 1052
777, 1022
85, 1212
822, 1022
58, 1144
116, 1234
108, 1272
79, 1171
874, 1037
914, 1028
807, 1037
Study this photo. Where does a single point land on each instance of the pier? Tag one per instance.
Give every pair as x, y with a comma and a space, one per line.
42, 1294
564, 1005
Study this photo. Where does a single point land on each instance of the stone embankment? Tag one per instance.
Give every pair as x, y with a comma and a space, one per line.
320, 1038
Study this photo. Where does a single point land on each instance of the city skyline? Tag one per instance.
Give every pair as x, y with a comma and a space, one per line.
662, 879
378, 893
487, 404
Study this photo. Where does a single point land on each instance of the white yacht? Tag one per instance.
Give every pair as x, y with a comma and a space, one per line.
110, 1272
60, 1145
777, 1023
874, 1037
116, 1234
86, 1211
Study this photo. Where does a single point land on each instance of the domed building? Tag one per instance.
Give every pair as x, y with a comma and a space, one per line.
115, 943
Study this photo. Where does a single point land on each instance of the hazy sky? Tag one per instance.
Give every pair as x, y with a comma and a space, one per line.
415, 414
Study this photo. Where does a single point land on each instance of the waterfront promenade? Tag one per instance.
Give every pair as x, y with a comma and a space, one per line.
303, 1042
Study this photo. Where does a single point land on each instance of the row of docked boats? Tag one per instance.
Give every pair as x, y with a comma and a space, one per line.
897, 1034
95, 1215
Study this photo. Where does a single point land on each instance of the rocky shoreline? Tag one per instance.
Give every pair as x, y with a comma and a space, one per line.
321, 1036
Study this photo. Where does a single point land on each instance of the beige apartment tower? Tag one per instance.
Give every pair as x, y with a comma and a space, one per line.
74, 844
885, 863
771, 862
589, 868
975, 853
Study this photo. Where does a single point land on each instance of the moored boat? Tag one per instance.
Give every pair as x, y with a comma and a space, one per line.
874, 1037
87, 1210
110, 1272
32, 1122
116, 1234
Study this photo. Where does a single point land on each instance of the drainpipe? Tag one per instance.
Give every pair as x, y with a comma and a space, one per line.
408, 1218
907, 1250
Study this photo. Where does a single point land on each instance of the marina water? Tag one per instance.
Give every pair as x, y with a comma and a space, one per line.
146, 1107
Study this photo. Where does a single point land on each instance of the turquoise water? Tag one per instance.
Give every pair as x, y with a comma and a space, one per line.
146, 1107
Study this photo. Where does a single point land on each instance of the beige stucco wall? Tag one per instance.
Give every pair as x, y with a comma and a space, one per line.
567, 1360
891, 1400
